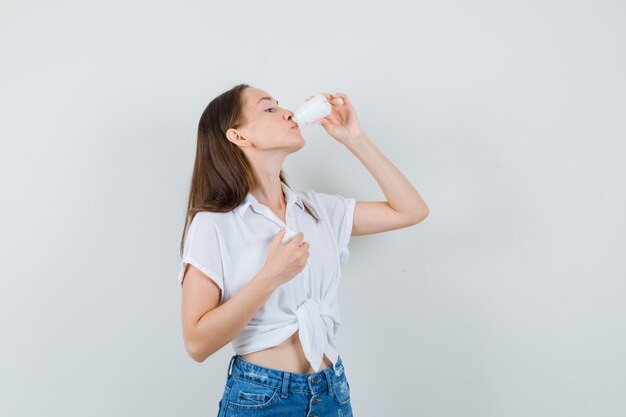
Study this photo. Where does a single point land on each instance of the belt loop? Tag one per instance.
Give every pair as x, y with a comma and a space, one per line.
328, 379
285, 386
230, 366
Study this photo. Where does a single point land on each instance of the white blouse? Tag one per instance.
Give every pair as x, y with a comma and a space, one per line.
231, 248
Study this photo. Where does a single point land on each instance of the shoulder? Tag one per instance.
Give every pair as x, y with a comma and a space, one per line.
325, 200
332, 206
206, 229
318, 197
210, 220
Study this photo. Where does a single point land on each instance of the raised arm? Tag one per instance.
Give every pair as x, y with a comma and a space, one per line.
404, 206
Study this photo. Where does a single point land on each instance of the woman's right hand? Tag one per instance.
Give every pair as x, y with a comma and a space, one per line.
283, 262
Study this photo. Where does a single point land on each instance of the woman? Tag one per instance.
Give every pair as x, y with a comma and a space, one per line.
260, 261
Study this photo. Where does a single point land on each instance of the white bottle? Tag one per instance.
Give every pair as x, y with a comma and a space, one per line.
312, 110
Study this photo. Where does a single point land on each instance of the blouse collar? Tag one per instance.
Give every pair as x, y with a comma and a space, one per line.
291, 197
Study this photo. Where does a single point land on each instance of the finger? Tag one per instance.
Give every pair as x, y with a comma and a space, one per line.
343, 97
334, 100
329, 97
299, 237
278, 237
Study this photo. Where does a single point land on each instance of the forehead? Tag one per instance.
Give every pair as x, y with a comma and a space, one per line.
256, 97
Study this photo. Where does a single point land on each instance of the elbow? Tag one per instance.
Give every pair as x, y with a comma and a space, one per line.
420, 214
198, 347
197, 357
195, 354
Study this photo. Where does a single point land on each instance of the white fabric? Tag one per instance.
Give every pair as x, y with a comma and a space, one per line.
231, 248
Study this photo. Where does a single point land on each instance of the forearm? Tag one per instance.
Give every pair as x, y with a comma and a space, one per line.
400, 193
221, 325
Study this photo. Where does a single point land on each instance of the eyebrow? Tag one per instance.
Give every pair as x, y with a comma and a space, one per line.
266, 98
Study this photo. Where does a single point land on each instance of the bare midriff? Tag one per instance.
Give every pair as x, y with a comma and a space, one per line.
288, 356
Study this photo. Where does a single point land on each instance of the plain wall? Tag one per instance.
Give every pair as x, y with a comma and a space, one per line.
509, 118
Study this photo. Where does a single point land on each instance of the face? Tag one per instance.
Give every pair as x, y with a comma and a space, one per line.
268, 126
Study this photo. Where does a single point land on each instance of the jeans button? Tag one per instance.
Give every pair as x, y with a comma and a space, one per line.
315, 380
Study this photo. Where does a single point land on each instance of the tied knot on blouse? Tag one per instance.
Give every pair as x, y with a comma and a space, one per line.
316, 325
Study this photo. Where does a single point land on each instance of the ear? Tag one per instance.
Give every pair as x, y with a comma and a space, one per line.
237, 138
233, 135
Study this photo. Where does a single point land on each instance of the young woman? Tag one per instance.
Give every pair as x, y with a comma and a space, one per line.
261, 262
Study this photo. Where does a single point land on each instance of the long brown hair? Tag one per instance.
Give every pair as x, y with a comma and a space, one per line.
222, 176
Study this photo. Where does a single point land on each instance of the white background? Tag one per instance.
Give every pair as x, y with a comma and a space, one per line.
508, 117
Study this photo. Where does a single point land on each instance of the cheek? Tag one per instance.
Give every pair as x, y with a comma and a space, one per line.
269, 132
266, 137
274, 131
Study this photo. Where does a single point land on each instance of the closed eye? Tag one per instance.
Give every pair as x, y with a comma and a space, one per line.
271, 108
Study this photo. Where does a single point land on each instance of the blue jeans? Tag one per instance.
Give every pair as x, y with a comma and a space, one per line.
254, 390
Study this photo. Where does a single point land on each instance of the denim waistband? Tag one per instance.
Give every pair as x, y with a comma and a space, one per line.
288, 381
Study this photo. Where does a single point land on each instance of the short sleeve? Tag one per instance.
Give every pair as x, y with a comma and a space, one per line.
202, 250
340, 213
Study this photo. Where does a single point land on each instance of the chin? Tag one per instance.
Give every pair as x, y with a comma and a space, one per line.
298, 146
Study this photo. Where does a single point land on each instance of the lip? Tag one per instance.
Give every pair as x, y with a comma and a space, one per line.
296, 127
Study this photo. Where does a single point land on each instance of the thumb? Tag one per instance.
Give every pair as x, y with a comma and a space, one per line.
278, 237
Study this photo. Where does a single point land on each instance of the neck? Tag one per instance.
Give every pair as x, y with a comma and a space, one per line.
269, 192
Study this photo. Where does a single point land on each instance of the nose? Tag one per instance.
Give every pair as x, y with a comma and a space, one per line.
289, 115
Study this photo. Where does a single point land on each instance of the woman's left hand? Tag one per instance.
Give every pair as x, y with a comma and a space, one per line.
342, 123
